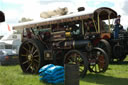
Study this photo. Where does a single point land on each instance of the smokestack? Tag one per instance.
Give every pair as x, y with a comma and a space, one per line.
81, 9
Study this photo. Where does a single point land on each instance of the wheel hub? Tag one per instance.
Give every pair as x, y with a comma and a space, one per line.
30, 57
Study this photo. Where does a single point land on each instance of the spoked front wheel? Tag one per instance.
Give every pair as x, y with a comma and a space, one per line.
76, 57
31, 56
98, 60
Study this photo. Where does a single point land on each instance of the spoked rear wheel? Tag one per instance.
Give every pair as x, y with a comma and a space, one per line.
76, 57
98, 60
31, 56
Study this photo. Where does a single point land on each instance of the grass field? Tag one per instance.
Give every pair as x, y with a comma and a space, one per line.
117, 74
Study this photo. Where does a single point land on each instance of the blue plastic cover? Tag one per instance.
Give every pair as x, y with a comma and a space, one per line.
54, 69
49, 77
44, 68
52, 74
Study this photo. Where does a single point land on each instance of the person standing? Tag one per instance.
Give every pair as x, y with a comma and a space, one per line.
117, 27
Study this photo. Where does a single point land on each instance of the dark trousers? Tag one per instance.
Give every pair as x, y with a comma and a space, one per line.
116, 31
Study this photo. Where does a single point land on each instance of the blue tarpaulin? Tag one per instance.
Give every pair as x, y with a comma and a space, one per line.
52, 74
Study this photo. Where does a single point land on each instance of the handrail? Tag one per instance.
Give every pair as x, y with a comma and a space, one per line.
82, 27
98, 17
109, 21
94, 24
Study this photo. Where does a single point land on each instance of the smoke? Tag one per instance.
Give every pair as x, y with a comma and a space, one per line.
57, 12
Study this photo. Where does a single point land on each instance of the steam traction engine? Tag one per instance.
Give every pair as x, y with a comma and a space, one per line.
60, 41
104, 35
119, 46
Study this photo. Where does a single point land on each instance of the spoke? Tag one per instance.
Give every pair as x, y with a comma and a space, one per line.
34, 52
36, 56
102, 62
79, 60
34, 65
70, 60
32, 49
28, 67
75, 55
25, 49
29, 46
72, 56
93, 67
25, 62
80, 69
99, 68
36, 60
33, 68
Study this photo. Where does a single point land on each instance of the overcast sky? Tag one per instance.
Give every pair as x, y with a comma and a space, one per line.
16, 9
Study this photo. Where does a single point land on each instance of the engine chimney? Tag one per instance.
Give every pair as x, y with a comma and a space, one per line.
81, 9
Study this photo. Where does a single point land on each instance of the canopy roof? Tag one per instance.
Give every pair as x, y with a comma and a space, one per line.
103, 12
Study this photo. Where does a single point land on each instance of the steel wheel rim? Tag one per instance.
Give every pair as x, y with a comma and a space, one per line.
75, 58
105, 46
98, 62
30, 57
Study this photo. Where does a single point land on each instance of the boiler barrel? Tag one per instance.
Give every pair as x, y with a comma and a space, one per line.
77, 44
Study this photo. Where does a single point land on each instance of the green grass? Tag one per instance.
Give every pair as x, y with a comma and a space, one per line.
12, 75
117, 74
